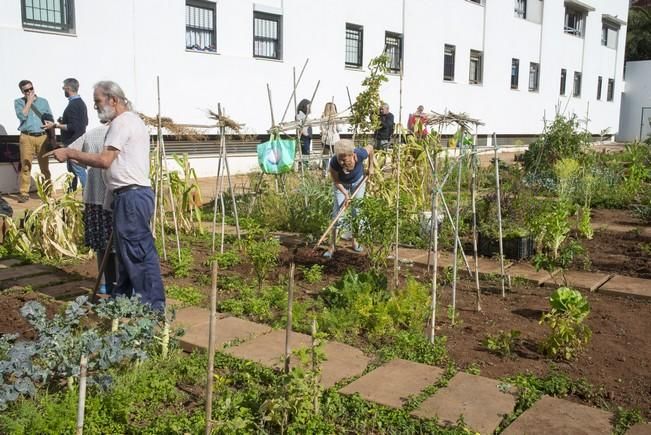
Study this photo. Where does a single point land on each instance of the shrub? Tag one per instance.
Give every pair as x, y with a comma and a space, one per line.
224, 260
568, 334
263, 255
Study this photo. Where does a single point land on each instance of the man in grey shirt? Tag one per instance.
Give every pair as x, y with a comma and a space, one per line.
125, 159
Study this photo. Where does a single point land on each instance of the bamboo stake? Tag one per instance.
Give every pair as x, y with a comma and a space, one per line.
293, 96
218, 183
456, 227
159, 170
435, 237
212, 334
81, 405
290, 300
228, 176
315, 395
473, 200
499, 213
271, 107
350, 101
397, 246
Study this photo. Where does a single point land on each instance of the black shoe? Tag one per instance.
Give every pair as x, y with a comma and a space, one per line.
23, 198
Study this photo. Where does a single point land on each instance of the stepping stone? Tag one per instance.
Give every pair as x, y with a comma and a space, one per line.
392, 383
550, 415
228, 329
627, 286
190, 316
579, 280
23, 271
476, 398
39, 281
640, 429
412, 255
529, 273
69, 290
269, 349
342, 362
9, 262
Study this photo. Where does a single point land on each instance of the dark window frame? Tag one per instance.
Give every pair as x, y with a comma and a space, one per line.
534, 68
610, 93
580, 16
563, 81
66, 15
206, 6
578, 78
449, 67
398, 37
277, 41
515, 73
355, 28
520, 9
479, 69
600, 80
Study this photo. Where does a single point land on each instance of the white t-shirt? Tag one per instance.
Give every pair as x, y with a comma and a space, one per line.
128, 134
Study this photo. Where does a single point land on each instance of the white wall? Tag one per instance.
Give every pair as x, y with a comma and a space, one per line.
636, 96
133, 41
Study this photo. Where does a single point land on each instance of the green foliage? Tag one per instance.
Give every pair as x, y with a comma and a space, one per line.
373, 223
181, 266
503, 343
313, 274
365, 112
263, 255
625, 419
224, 260
638, 34
560, 139
568, 334
454, 316
414, 346
186, 295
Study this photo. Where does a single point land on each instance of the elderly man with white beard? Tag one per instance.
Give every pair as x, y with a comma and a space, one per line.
125, 159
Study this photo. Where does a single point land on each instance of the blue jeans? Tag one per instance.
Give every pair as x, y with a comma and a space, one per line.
305, 145
79, 173
138, 262
339, 197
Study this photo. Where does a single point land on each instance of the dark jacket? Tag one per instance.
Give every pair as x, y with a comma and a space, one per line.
75, 117
386, 130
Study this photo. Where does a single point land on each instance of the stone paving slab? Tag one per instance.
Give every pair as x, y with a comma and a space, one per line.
9, 262
476, 398
550, 415
528, 272
228, 329
488, 265
342, 362
627, 286
392, 383
190, 316
579, 280
640, 429
69, 290
23, 271
39, 281
269, 349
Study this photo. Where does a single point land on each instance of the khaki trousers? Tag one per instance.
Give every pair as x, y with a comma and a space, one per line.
31, 146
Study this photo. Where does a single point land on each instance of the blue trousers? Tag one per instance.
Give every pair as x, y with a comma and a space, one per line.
79, 173
138, 262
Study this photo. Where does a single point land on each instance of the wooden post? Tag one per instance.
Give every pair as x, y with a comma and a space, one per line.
293, 95
456, 226
271, 107
222, 130
435, 238
81, 405
212, 334
499, 213
473, 200
290, 300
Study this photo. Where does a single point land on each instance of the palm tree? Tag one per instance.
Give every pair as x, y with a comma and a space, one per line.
638, 37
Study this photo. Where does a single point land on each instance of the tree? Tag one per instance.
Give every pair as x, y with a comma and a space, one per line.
638, 37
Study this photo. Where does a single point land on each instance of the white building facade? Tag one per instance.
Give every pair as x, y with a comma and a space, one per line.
509, 63
635, 120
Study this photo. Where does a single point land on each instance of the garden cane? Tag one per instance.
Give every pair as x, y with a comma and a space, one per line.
107, 254
341, 212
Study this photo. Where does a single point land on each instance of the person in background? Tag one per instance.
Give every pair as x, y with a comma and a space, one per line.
29, 111
302, 111
73, 125
347, 172
329, 134
384, 133
417, 123
98, 221
125, 158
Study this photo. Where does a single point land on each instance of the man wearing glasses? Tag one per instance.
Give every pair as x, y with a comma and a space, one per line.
30, 110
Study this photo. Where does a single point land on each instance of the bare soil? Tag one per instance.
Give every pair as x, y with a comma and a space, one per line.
12, 322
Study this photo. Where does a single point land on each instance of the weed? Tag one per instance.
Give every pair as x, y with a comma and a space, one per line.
181, 266
454, 316
502, 343
313, 274
646, 248
473, 369
203, 279
625, 419
224, 260
263, 255
185, 295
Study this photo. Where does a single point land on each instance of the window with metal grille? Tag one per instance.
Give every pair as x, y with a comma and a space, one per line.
534, 76
609, 34
393, 47
520, 9
576, 91
475, 67
599, 82
563, 80
200, 26
354, 45
54, 15
610, 96
515, 73
448, 62
574, 21
267, 34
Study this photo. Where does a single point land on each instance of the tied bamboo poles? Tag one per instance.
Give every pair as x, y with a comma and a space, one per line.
499, 212
212, 335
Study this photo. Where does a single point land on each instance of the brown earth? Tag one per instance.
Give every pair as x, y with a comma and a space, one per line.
12, 322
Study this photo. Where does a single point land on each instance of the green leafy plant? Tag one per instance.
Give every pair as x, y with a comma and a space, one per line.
365, 112
373, 222
181, 266
186, 295
263, 255
224, 260
568, 334
625, 419
313, 274
454, 316
503, 343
